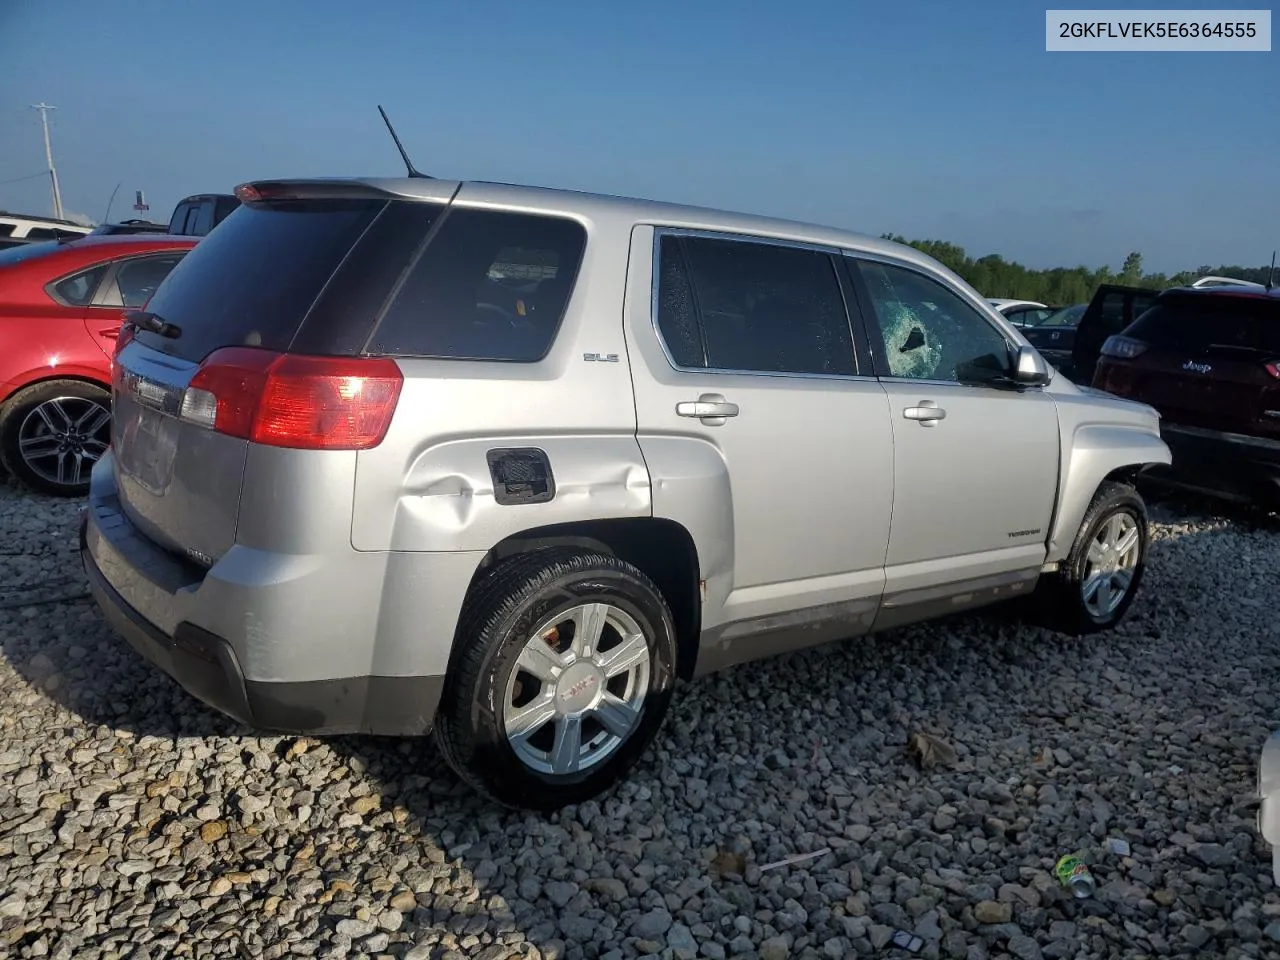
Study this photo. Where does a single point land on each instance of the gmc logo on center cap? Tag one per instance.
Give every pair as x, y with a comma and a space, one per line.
578, 687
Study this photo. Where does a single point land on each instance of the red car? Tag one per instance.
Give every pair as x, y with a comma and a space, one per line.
61, 305
1209, 360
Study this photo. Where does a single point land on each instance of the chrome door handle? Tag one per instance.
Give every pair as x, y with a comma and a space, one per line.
927, 414
711, 408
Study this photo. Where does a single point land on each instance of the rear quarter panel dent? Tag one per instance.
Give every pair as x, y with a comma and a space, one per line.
446, 501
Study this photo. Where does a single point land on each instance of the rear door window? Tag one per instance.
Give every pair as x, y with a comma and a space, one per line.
137, 280
754, 307
252, 281
490, 285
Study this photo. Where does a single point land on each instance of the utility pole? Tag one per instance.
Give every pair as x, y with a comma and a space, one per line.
44, 109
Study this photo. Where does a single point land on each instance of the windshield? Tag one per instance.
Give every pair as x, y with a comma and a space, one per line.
1066, 317
27, 251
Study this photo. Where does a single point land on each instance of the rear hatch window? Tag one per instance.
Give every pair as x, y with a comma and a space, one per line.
252, 281
1211, 325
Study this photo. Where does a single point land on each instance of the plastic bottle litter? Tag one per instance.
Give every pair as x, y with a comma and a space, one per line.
1073, 873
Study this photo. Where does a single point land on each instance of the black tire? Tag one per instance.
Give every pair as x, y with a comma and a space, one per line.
17, 411
1059, 601
503, 609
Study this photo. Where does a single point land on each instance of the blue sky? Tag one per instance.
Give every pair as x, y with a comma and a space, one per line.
931, 120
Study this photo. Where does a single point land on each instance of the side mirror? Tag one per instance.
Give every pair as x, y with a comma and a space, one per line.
1030, 369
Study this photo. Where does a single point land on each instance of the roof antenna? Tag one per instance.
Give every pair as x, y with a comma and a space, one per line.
1271, 275
399, 146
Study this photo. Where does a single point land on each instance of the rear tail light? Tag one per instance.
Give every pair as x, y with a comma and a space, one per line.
288, 400
1123, 348
1273, 369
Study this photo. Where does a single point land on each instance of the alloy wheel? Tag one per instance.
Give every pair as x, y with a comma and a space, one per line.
577, 690
1111, 561
61, 439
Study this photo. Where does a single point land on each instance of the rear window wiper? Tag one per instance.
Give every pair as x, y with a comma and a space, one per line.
154, 323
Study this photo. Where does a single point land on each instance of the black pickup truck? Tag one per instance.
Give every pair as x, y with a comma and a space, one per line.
196, 215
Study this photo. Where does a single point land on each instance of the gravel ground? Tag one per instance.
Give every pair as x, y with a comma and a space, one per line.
135, 822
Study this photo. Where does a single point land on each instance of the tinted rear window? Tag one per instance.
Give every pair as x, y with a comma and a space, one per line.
252, 281
490, 285
1209, 323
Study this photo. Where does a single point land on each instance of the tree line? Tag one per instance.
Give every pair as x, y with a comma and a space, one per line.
993, 276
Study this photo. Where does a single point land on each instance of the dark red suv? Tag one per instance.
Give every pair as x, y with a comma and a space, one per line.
1209, 361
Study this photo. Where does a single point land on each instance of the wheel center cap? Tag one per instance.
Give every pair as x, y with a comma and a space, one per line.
578, 687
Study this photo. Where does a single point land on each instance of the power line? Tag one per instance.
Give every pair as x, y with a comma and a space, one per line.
32, 176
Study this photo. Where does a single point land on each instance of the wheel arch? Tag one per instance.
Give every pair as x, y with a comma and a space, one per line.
663, 550
51, 375
1099, 453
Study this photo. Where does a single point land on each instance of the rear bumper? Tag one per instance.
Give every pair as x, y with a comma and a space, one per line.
1230, 464
330, 641
206, 666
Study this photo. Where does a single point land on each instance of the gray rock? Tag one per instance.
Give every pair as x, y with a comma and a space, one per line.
890, 915
1196, 936
929, 927
355, 929
559, 892
775, 948
880, 935
1213, 854
680, 939
1025, 948
651, 925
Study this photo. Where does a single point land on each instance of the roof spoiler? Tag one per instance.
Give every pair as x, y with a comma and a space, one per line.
316, 189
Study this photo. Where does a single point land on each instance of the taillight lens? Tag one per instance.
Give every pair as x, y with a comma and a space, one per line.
288, 400
1123, 348
1273, 369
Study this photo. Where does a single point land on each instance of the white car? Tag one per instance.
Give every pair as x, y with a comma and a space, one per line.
1227, 282
1021, 312
16, 229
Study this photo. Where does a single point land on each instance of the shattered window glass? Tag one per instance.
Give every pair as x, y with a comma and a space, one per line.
929, 332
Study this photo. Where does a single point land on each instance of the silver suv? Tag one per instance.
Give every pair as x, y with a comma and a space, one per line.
503, 463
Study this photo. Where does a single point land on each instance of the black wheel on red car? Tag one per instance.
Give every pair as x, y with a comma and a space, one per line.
52, 433
564, 666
